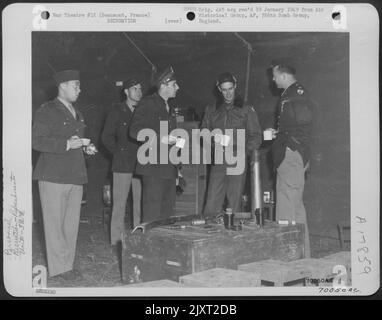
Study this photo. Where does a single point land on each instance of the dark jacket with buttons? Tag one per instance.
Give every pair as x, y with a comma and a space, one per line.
115, 137
53, 126
235, 116
295, 120
150, 111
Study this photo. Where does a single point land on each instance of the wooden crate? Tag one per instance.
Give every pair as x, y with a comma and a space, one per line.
342, 258
321, 270
276, 273
219, 277
155, 284
163, 253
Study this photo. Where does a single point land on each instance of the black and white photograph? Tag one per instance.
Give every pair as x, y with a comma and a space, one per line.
193, 159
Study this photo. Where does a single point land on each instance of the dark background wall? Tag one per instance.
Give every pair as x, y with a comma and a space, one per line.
321, 60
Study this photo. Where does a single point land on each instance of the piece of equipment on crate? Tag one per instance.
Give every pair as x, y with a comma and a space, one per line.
173, 220
256, 188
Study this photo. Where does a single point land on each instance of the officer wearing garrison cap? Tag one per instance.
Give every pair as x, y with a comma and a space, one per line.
291, 148
58, 133
124, 150
158, 179
229, 112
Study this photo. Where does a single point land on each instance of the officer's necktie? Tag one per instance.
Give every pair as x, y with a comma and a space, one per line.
72, 110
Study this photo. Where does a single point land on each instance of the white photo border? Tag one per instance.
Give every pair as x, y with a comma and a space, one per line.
19, 20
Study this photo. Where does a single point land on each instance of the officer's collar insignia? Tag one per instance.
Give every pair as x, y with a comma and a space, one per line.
300, 91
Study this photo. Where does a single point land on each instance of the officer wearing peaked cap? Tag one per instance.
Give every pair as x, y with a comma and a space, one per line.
158, 179
291, 148
61, 173
165, 77
229, 112
115, 136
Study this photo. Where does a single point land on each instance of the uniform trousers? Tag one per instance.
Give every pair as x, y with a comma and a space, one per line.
289, 192
158, 198
121, 189
61, 206
220, 186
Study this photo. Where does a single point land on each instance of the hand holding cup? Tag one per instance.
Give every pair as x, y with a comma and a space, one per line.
90, 149
180, 142
270, 134
85, 141
222, 139
169, 139
74, 142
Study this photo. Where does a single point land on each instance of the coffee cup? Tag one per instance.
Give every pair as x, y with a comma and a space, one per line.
225, 140
85, 141
180, 142
168, 139
218, 137
268, 134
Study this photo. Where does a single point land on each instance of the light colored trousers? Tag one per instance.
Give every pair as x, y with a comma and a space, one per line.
289, 192
61, 207
121, 189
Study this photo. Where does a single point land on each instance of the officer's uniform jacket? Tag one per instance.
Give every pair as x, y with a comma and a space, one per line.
150, 111
295, 116
116, 138
53, 125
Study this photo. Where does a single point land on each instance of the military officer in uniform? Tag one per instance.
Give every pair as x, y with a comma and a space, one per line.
229, 112
291, 148
57, 134
158, 179
115, 137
